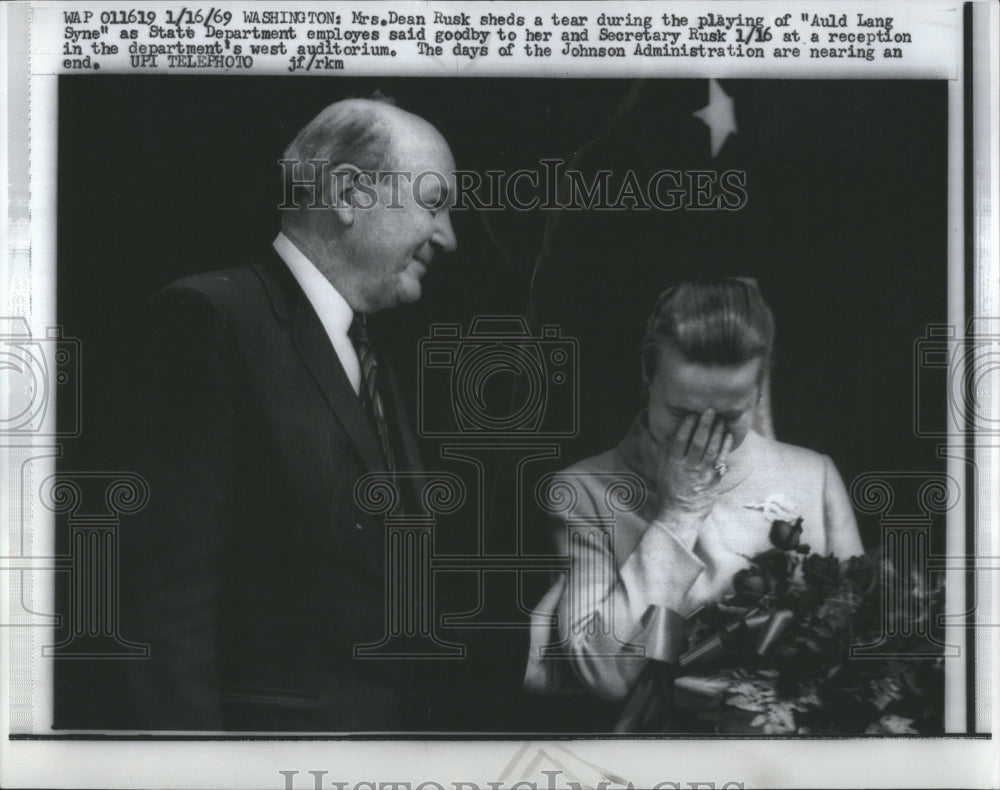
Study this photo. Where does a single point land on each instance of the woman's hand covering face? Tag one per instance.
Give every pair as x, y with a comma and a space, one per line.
691, 463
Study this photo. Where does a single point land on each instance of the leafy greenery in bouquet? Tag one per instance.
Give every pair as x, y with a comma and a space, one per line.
798, 674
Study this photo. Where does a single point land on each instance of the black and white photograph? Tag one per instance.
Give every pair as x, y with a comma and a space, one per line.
533, 412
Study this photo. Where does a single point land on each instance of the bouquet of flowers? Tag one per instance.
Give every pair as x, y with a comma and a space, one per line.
806, 644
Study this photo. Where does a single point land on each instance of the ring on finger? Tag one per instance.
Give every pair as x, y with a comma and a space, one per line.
721, 467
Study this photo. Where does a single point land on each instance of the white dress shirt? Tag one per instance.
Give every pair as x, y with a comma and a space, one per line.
333, 310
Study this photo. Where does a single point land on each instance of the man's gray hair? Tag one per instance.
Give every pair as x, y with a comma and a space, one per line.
350, 131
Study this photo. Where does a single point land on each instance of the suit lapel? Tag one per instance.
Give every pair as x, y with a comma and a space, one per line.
319, 356
314, 346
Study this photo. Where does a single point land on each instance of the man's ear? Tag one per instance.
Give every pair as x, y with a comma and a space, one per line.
345, 185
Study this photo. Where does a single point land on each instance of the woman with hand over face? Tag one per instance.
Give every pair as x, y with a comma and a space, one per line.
704, 489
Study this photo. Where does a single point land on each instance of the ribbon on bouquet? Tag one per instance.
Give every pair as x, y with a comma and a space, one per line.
713, 633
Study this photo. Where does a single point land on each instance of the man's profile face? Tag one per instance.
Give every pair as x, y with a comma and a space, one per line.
680, 387
392, 243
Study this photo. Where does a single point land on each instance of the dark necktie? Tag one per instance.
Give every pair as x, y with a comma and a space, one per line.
370, 398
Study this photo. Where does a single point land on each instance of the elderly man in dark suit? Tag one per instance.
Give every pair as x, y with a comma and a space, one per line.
253, 574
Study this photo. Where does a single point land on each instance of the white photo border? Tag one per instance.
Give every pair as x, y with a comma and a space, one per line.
962, 42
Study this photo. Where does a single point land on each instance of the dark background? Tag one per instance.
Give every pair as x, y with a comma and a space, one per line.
845, 230
845, 227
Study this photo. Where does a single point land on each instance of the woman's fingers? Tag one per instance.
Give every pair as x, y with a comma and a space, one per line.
715, 442
723, 458
680, 441
699, 441
689, 463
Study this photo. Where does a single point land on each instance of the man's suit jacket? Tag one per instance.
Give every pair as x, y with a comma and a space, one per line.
252, 573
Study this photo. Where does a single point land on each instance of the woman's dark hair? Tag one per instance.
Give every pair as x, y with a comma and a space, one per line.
722, 321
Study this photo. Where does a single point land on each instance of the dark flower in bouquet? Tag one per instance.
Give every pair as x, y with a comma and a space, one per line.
785, 536
821, 573
767, 577
752, 585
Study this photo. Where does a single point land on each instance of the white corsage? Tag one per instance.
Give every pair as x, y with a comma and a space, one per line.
776, 507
